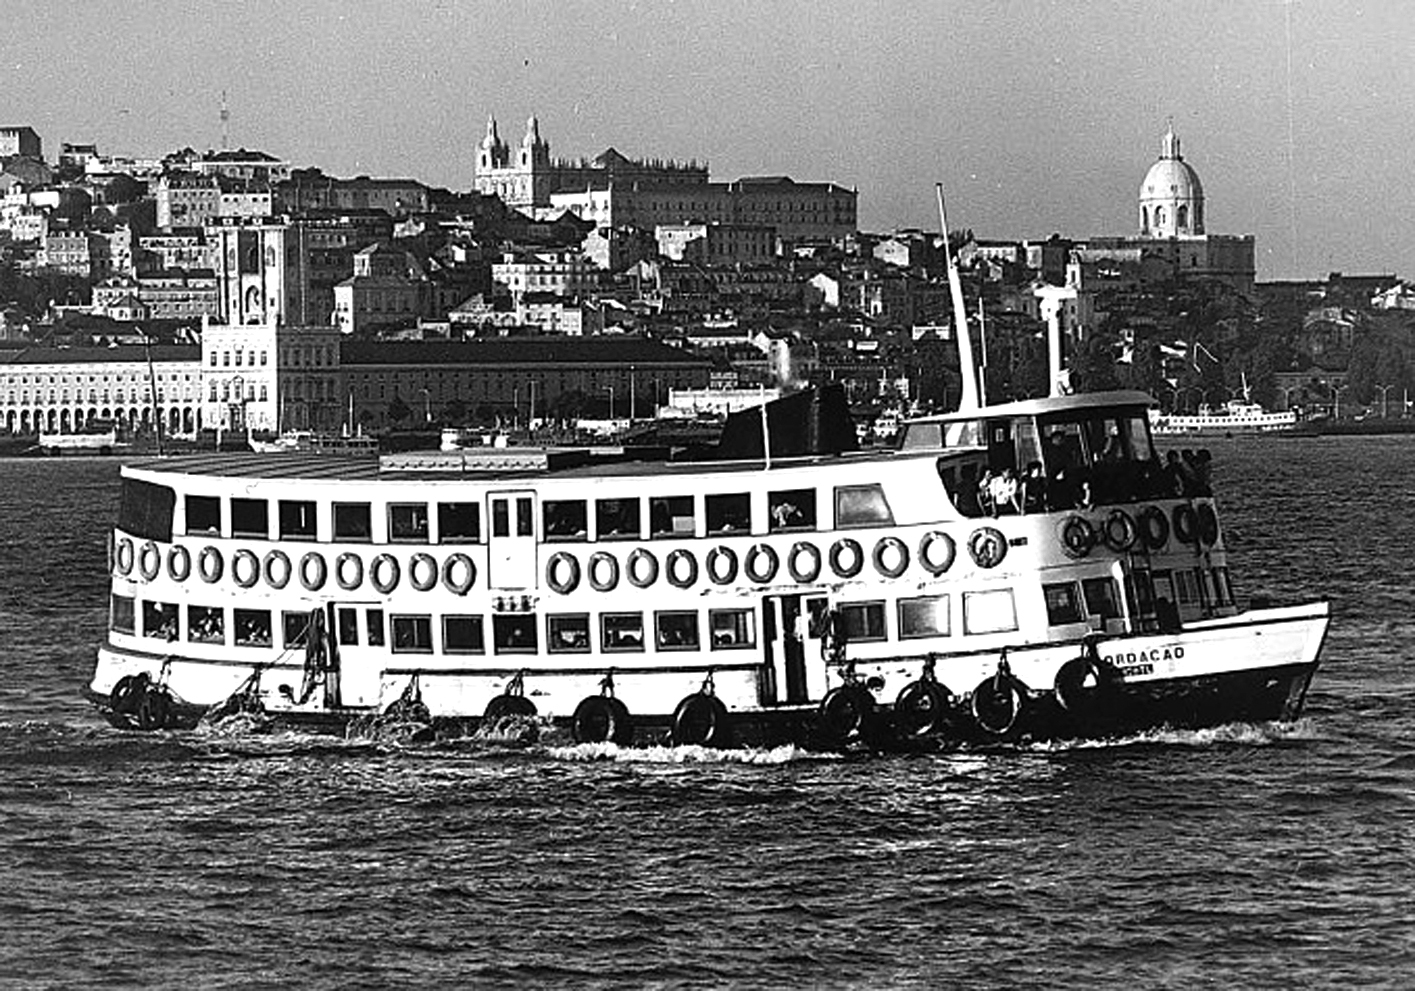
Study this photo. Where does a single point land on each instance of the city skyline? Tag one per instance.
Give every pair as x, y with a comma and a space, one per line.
1038, 118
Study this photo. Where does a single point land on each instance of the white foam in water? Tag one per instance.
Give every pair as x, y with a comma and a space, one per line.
1250, 734
684, 755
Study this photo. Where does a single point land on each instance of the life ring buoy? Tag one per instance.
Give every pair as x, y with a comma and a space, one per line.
562, 572
606, 583
987, 546
383, 573
812, 554
922, 709
348, 582
1186, 523
123, 556
463, 585
210, 565
277, 569
601, 719
149, 561
757, 554
927, 549
845, 714
701, 720
1207, 528
997, 704
179, 563
673, 568
1119, 531
505, 706
900, 550
313, 582
634, 568
838, 551
1154, 527
721, 564
422, 571
1077, 536
251, 568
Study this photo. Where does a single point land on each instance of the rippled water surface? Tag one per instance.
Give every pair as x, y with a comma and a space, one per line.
1248, 856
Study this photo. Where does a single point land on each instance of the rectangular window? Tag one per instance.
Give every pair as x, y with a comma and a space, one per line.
412, 634
792, 509
671, 516
732, 629
500, 518
252, 627
1222, 587
514, 633
1063, 603
206, 624
145, 510
297, 519
159, 620
462, 635
525, 518
992, 611
728, 513
250, 518
352, 521
568, 634
1101, 599
458, 522
295, 629
923, 616
617, 519
621, 631
204, 515
565, 519
1188, 587
376, 630
676, 630
862, 505
408, 522
863, 620
348, 626
122, 613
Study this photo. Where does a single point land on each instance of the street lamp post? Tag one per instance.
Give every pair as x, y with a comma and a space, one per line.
427, 405
1336, 401
1385, 391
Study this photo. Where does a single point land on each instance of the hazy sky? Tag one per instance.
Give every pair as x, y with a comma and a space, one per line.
1037, 116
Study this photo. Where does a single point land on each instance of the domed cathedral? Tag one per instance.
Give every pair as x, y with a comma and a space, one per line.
1171, 197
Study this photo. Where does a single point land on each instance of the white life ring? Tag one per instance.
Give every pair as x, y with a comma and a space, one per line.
245, 577
179, 563
149, 561
346, 581
210, 565
384, 572
422, 571
277, 569
458, 586
315, 582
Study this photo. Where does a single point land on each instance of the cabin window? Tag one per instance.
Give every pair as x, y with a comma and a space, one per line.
206, 624
923, 616
295, 629
252, 627
1101, 598
1223, 589
250, 518
1063, 601
617, 519
458, 522
992, 611
861, 505
676, 630
792, 509
525, 519
353, 521
500, 518
159, 620
462, 635
408, 522
566, 519
122, 613
1188, 587
621, 631
1140, 591
374, 622
204, 515
297, 519
863, 621
568, 634
412, 634
671, 516
730, 513
145, 510
732, 629
514, 633
347, 626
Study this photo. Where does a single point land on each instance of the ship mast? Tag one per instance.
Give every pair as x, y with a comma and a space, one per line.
967, 368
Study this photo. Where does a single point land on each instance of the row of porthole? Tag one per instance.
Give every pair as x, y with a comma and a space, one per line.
458, 573
804, 561
1121, 532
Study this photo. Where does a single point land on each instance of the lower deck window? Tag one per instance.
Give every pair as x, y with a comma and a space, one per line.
252, 627
122, 613
924, 616
863, 620
412, 634
295, 628
568, 634
462, 635
514, 633
1101, 599
992, 611
622, 631
159, 620
732, 629
676, 630
348, 626
375, 627
1063, 603
206, 624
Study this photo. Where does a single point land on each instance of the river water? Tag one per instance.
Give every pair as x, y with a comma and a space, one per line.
1247, 856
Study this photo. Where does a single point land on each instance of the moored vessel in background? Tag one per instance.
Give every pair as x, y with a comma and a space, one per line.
1234, 417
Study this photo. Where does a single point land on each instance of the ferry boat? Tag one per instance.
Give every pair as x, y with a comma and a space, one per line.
309, 441
1234, 417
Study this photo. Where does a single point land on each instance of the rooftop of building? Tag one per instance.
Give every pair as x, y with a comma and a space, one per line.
37, 354
609, 350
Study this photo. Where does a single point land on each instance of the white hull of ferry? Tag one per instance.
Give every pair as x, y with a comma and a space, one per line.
1170, 425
